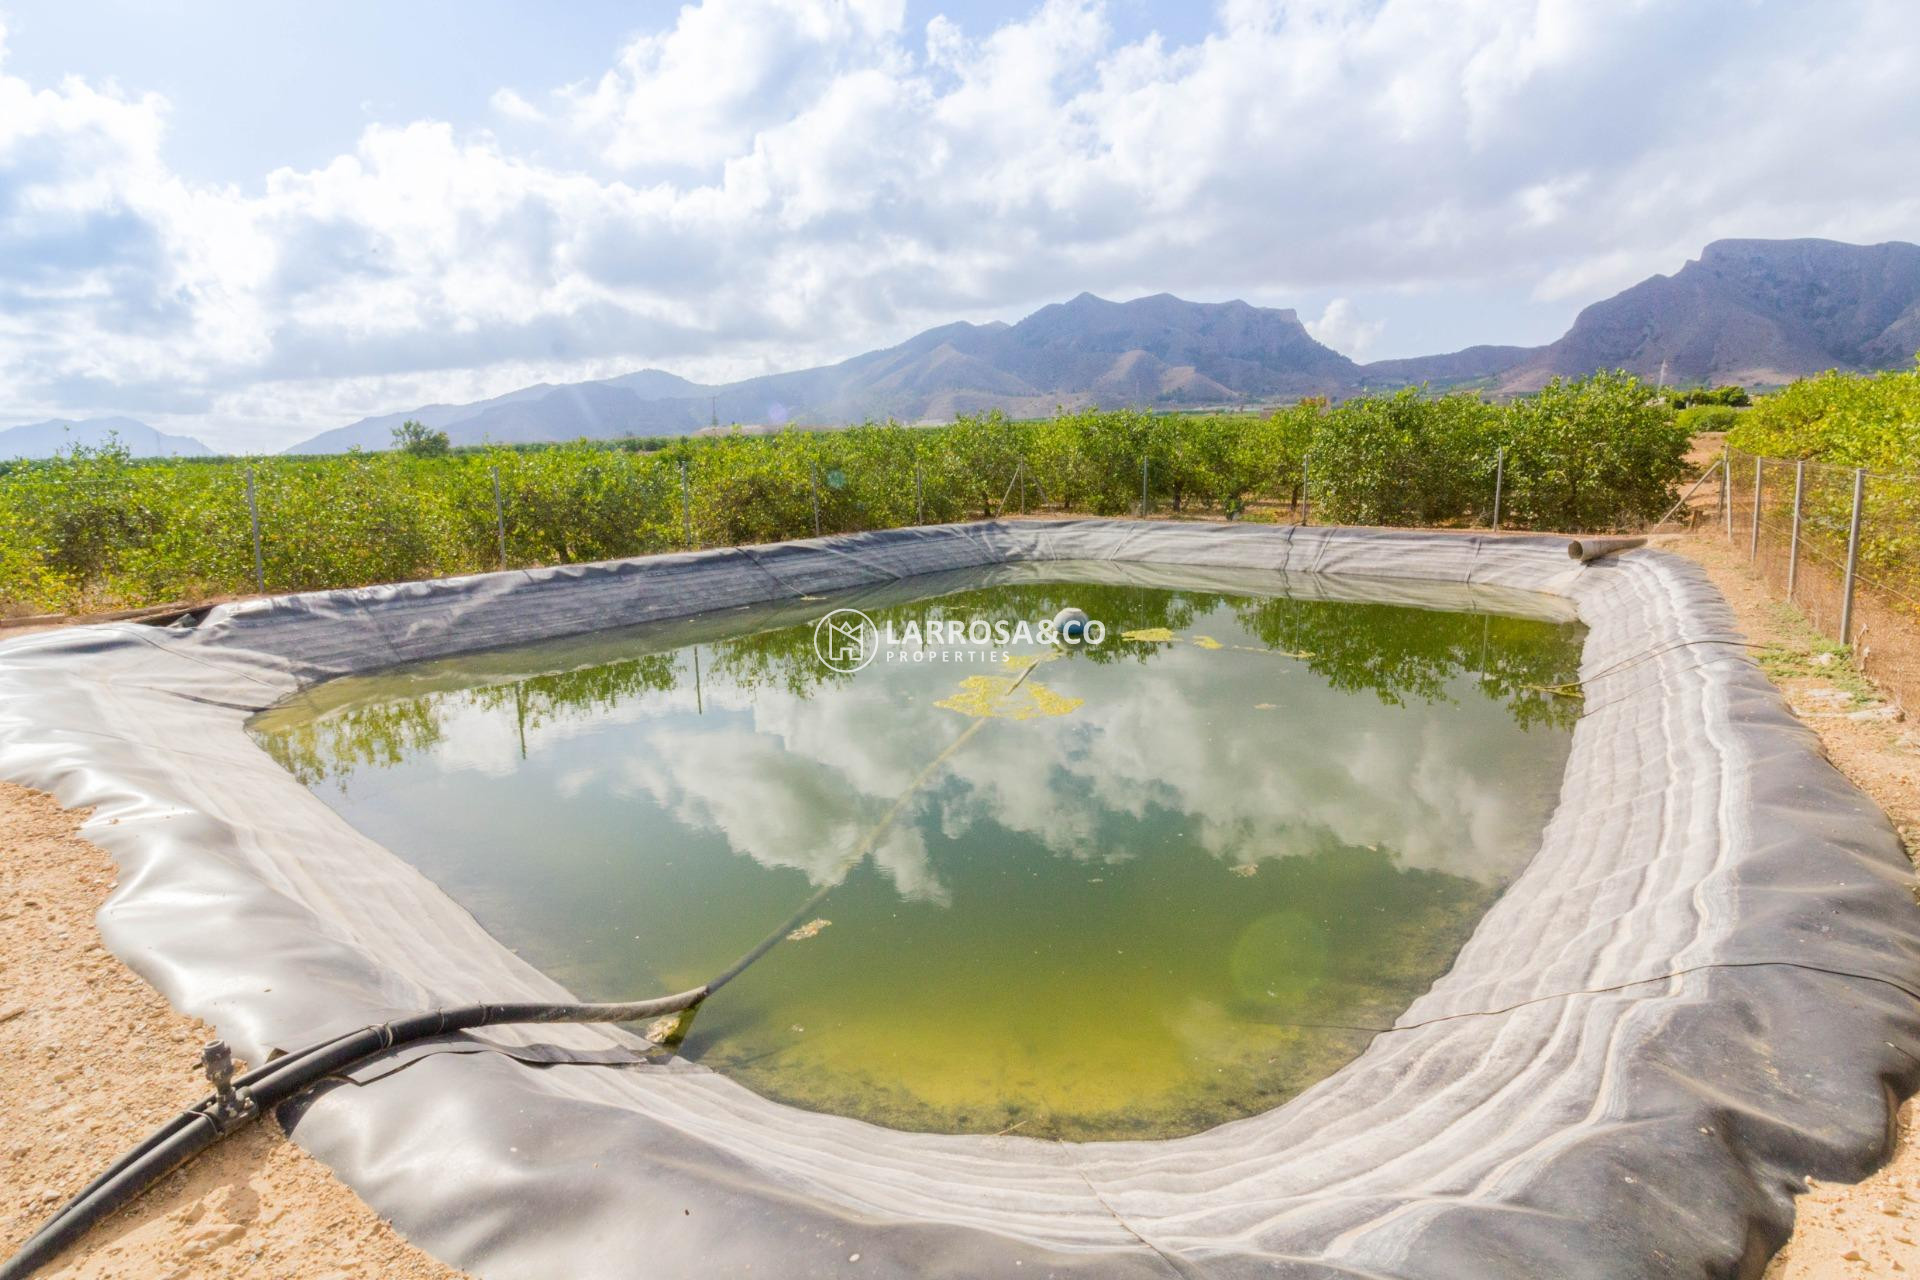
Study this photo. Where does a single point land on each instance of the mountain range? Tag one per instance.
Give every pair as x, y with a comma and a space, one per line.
1755, 312
44, 439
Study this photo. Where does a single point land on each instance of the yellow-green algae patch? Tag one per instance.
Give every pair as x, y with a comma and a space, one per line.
1007, 698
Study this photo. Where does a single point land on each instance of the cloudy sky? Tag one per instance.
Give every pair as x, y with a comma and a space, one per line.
250, 220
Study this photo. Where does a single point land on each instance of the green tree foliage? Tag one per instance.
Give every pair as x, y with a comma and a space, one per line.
1854, 420
1408, 458
1593, 453
1730, 397
1708, 417
1840, 421
421, 440
96, 529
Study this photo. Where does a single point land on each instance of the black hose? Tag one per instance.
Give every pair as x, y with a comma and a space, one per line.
279, 1080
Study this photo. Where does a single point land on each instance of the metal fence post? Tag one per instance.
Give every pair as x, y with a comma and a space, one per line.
253, 519
1853, 556
1793, 545
499, 517
919, 501
1304, 502
1726, 488
1499, 478
686, 504
813, 474
1022, 474
1143, 488
1753, 545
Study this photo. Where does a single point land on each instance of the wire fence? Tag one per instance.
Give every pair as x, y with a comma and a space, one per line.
1842, 544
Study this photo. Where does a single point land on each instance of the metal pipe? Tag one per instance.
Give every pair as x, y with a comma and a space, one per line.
1727, 490
253, 519
1499, 476
1704, 477
1143, 488
1587, 550
499, 517
1305, 516
813, 474
1793, 545
919, 500
1853, 556
1753, 545
686, 505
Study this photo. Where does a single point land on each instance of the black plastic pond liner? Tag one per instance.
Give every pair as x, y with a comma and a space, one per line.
1694, 995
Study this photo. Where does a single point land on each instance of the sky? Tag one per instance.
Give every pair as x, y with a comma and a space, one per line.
249, 222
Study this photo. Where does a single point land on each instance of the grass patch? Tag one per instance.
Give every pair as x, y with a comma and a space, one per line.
1804, 653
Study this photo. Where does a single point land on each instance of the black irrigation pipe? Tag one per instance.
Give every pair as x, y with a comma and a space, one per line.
239, 1100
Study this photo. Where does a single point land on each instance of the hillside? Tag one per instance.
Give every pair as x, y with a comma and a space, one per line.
1758, 312
1159, 350
44, 439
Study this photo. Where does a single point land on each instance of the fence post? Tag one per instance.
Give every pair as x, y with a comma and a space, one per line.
1726, 488
253, 520
1305, 503
1753, 545
1022, 474
1793, 546
1853, 556
1499, 478
1143, 488
919, 502
686, 504
813, 474
499, 517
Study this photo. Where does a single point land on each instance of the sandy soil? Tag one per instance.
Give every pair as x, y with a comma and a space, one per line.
74, 1020
1871, 1228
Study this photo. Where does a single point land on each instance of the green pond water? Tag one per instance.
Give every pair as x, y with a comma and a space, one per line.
1159, 884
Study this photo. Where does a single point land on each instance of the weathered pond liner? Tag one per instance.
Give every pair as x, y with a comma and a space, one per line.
1702, 987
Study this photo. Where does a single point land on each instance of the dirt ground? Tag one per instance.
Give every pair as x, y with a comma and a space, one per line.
74, 1020
1871, 1228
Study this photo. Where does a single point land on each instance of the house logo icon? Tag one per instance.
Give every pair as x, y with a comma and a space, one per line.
846, 640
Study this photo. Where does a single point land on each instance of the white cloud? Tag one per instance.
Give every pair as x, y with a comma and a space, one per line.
763, 185
1341, 327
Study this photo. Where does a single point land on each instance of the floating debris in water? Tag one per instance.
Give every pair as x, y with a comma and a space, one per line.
998, 697
1263, 706
669, 1030
1149, 635
1207, 642
811, 929
1246, 869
